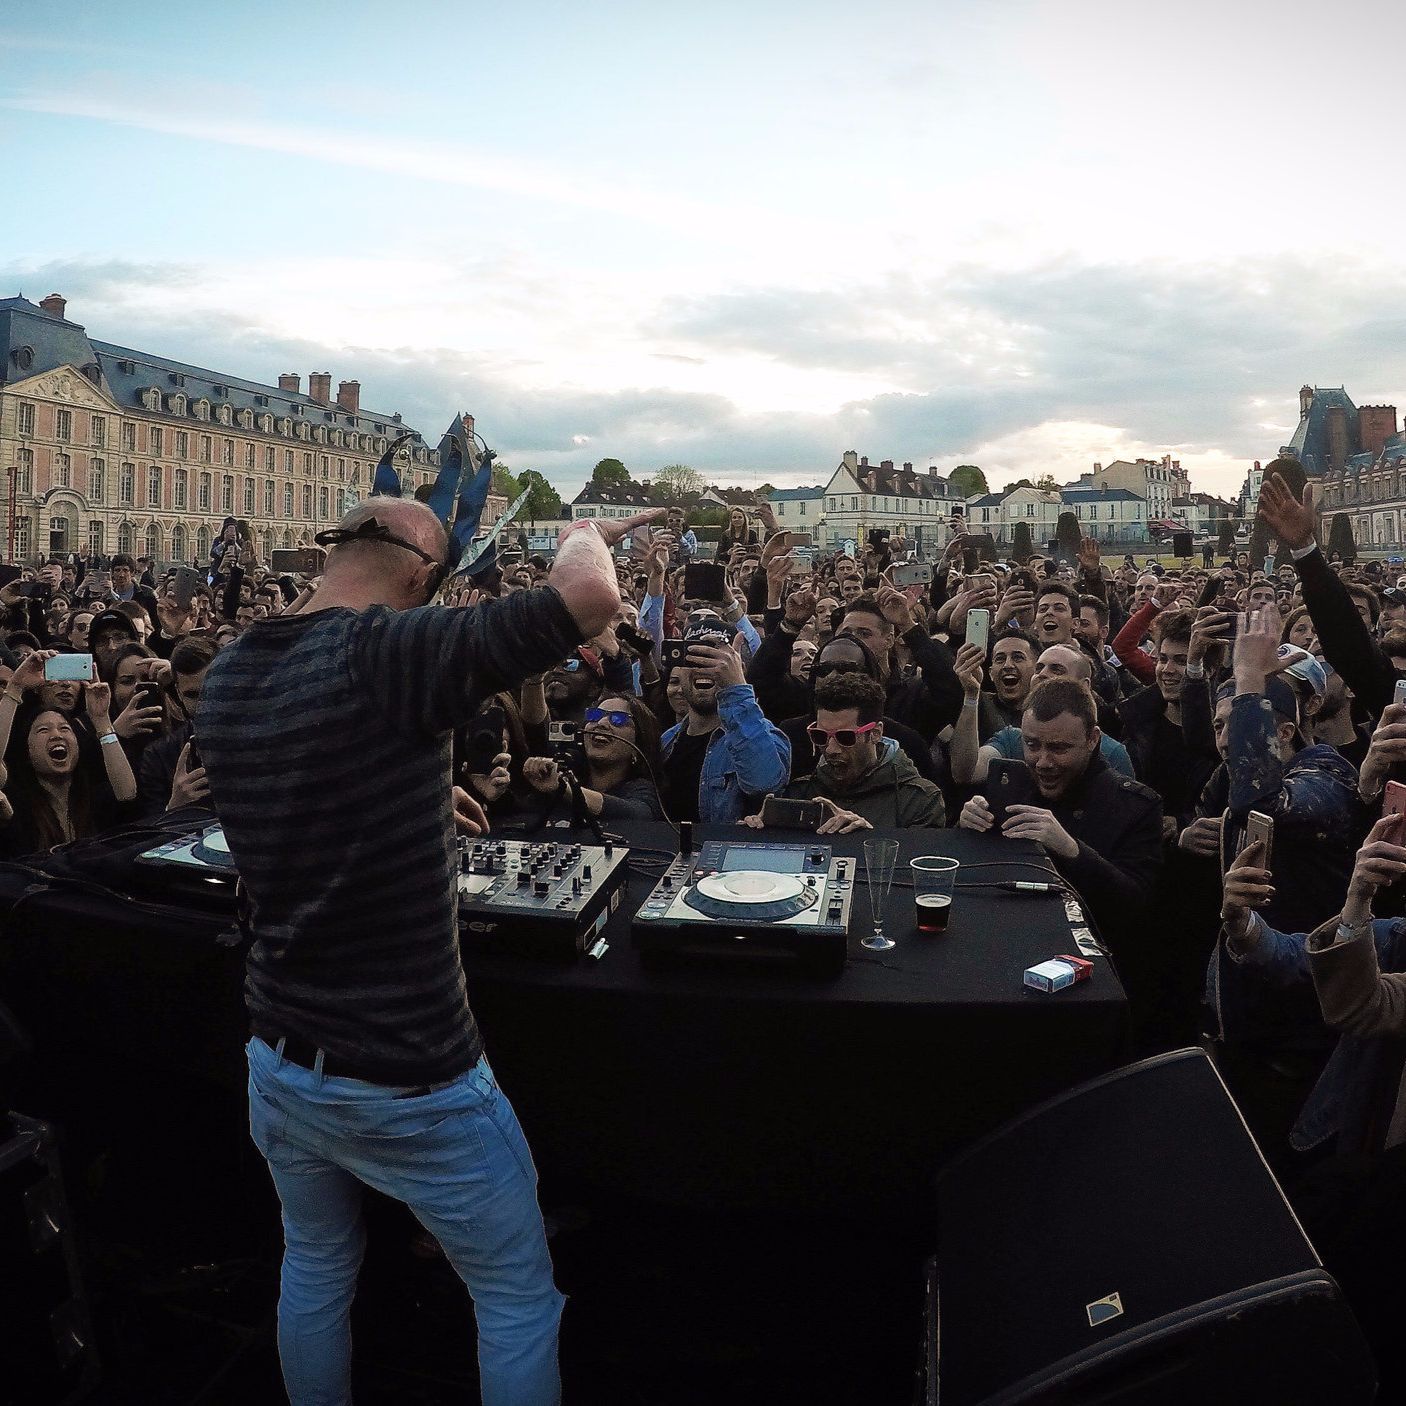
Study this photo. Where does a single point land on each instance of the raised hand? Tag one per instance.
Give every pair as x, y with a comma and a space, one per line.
898, 610
1292, 521
1257, 650
188, 786
800, 607
1247, 886
1089, 557
1387, 749
970, 669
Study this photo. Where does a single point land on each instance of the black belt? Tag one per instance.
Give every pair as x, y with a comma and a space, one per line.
304, 1054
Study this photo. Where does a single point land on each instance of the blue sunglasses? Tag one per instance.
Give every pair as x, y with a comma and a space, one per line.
615, 717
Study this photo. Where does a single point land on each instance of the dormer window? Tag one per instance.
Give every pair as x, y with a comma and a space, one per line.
177, 404
23, 357
176, 379
285, 426
266, 423
201, 409
152, 398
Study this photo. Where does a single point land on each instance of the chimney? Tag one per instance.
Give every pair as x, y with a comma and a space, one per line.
1305, 400
886, 464
851, 459
908, 468
864, 461
1376, 424
349, 396
1338, 446
1098, 468
291, 381
320, 387
54, 305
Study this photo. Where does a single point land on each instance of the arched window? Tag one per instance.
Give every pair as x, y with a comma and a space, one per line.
202, 542
266, 423
226, 415
153, 486
287, 500
178, 405
153, 542
63, 470
124, 539
263, 544
178, 543
287, 537
227, 493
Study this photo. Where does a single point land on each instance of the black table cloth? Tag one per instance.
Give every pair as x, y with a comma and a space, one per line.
702, 1085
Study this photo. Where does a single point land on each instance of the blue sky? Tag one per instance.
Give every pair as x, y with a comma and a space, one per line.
745, 237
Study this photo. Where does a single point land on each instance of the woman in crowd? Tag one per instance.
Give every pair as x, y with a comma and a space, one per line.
738, 534
56, 789
620, 743
139, 718
493, 778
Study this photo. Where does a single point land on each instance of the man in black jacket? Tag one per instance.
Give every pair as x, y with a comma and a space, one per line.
1103, 831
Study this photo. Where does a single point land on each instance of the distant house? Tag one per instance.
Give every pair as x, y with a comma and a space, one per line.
861, 497
1115, 515
798, 509
623, 501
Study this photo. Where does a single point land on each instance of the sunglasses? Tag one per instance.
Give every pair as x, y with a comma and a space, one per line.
616, 717
823, 671
845, 736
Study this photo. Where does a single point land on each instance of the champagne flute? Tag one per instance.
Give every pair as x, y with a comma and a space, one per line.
879, 859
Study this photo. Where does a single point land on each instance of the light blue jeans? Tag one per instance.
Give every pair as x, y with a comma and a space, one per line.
457, 1157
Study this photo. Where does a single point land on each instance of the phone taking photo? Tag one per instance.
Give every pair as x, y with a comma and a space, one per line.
1259, 826
1008, 783
979, 627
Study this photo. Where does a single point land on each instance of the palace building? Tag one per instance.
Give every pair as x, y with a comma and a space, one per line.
119, 450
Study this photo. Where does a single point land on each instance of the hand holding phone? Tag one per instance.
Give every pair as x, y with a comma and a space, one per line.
1008, 783
70, 668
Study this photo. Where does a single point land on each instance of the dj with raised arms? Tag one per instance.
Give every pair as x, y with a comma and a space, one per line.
326, 741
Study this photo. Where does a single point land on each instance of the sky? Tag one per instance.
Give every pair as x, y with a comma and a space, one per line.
746, 237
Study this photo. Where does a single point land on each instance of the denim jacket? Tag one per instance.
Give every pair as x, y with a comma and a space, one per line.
746, 756
1344, 1103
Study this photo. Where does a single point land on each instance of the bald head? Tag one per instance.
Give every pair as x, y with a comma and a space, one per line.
1063, 661
398, 576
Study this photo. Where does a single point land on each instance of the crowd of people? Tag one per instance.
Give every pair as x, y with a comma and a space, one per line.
1205, 752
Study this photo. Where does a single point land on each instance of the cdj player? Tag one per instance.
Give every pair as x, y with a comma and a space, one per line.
789, 903
545, 898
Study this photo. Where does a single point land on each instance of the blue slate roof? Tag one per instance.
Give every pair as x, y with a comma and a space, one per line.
792, 495
1310, 442
125, 373
990, 500
1100, 495
1356, 463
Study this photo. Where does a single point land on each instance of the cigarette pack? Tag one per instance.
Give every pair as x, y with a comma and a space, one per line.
1057, 973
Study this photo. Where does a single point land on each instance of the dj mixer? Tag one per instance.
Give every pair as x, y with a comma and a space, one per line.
543, 897
787, 903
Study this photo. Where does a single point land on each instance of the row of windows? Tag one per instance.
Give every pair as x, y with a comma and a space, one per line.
97, 434
178, 404
926, 507
149, 541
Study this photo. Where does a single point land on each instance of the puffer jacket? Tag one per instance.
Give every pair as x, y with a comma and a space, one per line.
890, 796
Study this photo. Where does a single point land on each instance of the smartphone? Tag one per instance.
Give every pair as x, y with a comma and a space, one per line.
801, 564
36, 590
485, 740
1394, 802
673, 654
1008, 783
1260, 826
637, 640
641, 540
193, 761
70, 668
151, 693
971, 560
297, 561
912, 573
184, 584
703, 580
1269, 566
795, 815
799, 539
979, 627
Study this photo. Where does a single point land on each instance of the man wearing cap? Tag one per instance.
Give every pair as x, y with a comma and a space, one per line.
724, 752
110, 630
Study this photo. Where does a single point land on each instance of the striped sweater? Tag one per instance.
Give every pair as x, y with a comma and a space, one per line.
326, 742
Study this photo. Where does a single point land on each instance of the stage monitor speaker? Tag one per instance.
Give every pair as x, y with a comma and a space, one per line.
1126, 1243
1181, 545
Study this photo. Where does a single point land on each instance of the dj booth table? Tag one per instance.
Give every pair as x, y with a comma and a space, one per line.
703, 1085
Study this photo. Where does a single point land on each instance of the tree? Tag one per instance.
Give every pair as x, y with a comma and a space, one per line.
1047, 483
543, 501
1340, 538
505, 482
967, 481
610, 473
1019, 483
673, 481
1226, 541
1069, 535
1021, 545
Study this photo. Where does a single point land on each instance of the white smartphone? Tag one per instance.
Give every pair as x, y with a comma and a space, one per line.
1260, 826
978, 627
1269, 566
1399, 692
70, 668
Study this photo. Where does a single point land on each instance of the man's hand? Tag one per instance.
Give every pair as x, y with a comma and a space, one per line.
969, 667
800, 608
1209, 630
174, 621
1257, 651
778, 568
976, 815
719, 660
137, 719
613, 530
1038, 824
469, 816
1165, 594
1202, 837
605, 643
1291, 521
11, 593
839, 821
1089, 557
1388, 748
189, 786
896, 608
542, 774
1016, 601
1247, 887
496, 781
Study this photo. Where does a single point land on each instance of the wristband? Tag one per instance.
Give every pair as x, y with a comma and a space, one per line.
971, 702
1351, 932
108, 738
1299, 553
1196, 670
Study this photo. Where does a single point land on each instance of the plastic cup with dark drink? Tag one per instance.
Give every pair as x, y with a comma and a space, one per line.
934, 886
